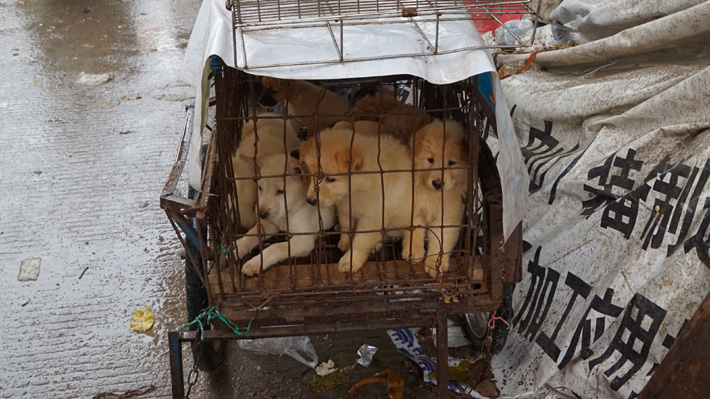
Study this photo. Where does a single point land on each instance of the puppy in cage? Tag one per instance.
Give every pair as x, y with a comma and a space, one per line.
440, 183
271, 132
346, 168
282, 207
315, 107
401, 120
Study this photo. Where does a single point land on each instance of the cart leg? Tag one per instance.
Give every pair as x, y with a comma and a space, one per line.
442, 356
176, 376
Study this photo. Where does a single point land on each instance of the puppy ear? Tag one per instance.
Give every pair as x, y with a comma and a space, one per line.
349, 160
294, 166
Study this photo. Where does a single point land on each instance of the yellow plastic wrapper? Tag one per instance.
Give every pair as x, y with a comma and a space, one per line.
142, 320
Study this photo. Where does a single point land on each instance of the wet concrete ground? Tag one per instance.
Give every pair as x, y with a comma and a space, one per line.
81, 171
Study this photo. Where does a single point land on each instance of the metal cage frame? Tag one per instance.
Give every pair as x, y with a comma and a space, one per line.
391, 294
335, 16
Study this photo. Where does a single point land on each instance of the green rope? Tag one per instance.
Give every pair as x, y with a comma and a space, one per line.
212, 313
224, 250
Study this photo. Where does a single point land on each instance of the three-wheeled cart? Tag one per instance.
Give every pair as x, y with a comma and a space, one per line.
427, 55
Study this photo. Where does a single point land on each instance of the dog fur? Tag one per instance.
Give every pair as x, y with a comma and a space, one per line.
438, 193
315, 107
276, 195
366, 128
402, 120
364, 213
271, 142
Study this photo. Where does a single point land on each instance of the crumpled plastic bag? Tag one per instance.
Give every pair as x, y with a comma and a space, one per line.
299, 348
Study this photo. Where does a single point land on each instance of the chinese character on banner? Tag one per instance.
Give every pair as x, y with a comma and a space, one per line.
613, 173
579, 288
605, 308
540, 153
701, 239
671, 191
538, 300
633, 339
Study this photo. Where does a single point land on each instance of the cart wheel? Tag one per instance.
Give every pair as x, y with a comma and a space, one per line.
475, 325
209, 355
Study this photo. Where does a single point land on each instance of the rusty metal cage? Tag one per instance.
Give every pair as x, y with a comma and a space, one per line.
308, 294
311, 285
334, 18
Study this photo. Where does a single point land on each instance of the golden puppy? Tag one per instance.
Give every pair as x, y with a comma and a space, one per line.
438, 191
271, 141
400, 119
358, 197
315, 107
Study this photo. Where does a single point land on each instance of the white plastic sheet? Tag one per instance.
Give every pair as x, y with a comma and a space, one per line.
617, 227
212, 35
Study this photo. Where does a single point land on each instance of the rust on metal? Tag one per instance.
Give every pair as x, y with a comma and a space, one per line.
308, 295
683, 373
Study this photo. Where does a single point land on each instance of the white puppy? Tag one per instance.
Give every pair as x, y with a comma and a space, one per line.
271, 141
276, 195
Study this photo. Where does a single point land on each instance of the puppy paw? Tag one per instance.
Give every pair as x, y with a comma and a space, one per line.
344, 265
252, 266
417, 254
434, 269
344, 243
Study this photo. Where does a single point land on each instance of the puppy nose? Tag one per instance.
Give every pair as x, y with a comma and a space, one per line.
437, 184
311, 201
263, 214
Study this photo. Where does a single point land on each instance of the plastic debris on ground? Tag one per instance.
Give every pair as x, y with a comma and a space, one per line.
520, 28
468, 376
142, 320
366, 353
29, 269
546, 36
395, 383
299, 348
331, 380
455, 337
326, 368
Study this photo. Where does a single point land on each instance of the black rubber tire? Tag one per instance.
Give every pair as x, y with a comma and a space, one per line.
210, 355
477, 335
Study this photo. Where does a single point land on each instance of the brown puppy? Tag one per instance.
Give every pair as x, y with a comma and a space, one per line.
438, 191
400, 119
359, 197
315, 107
366, 128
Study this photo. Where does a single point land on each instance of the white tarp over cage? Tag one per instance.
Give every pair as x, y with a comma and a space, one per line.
616, 138
371, 49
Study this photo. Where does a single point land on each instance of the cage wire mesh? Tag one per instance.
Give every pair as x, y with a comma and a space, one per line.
424, 19
316, 279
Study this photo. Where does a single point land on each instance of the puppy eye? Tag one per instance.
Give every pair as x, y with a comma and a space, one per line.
431, 160
260, 189
452, 163
330, 179
279, 192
